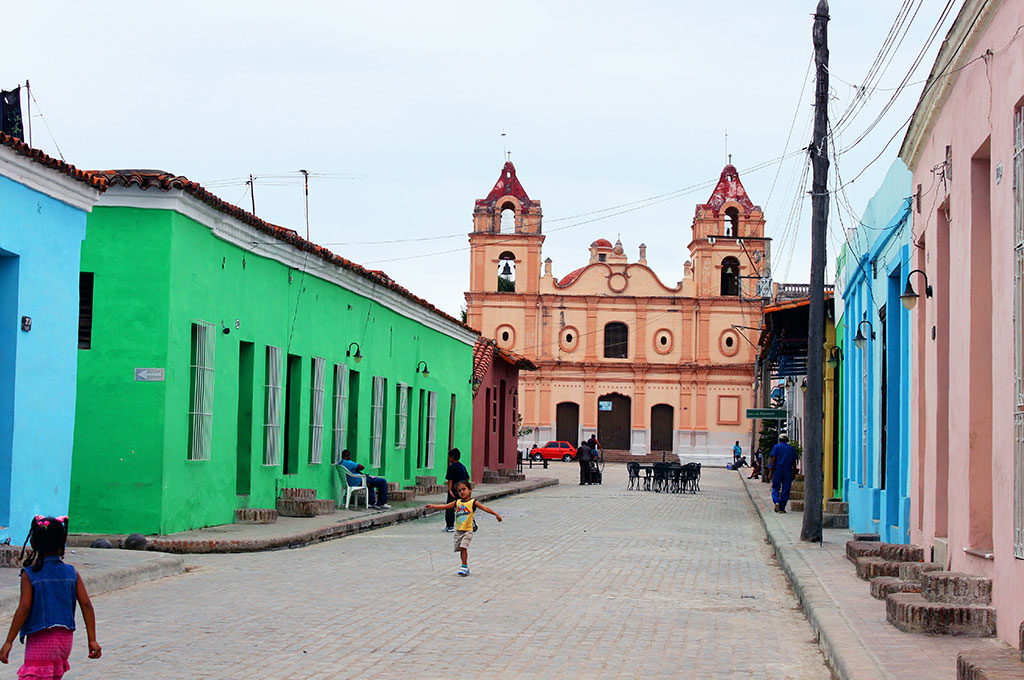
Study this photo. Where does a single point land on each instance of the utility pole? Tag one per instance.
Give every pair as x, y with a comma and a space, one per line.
305, 181
252, 193
813, 478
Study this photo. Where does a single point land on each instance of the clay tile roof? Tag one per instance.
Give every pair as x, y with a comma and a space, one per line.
570, 277
165, 181
22, 149
729, 188
483, 353
602, 243
517, 360
507, 185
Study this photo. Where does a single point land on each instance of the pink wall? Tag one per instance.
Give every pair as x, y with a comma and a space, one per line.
491, 450
963, 378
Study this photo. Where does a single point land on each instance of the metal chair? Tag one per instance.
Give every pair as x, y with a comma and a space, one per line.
633, 469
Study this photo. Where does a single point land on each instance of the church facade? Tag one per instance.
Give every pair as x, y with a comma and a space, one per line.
649, 367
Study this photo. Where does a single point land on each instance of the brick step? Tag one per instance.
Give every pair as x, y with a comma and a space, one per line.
835, 520
989, 664
837, 506
392, 487
401, 495
866, 537
297, 508
871, 567
911, 613
255, 515
431, 489
951, 587
855, 549
298, 494
426, 480
897, 552
324, 506
911, 571
882, 586
798, 477
796, 495
796, 506
797, 486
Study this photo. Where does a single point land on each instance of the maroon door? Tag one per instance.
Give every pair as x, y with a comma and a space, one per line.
661, 427
613, 421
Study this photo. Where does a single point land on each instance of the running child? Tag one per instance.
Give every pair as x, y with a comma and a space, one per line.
46, 613
465, 507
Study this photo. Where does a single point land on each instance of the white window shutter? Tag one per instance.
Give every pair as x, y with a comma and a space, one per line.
378, 420
431, 426
316, 419
340, 409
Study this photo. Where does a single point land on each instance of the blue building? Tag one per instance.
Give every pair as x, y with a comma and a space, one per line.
876, 363
43, 204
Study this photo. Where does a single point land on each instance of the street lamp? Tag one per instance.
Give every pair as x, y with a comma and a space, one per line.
357, 356
803, 385
910, 296
425, 371
835, 355
860, 340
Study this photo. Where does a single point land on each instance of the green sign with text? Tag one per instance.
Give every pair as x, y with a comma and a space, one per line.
766, 413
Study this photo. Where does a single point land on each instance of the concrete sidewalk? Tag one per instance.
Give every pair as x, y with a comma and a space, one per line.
291, 532
101, 570
858, 642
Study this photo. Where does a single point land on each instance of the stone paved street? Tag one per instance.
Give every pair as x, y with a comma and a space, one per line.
584, 582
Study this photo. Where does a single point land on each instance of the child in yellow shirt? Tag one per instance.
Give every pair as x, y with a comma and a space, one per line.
465, 507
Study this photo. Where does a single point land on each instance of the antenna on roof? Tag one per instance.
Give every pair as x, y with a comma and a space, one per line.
305, 181
727, 144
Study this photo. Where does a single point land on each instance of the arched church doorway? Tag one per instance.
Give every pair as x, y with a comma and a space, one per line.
613, 421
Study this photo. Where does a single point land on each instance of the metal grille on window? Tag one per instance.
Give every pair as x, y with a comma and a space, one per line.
272, 424
431, 426
1018, 333
316, 413
401, 415
378, 420
340, 409
201, 398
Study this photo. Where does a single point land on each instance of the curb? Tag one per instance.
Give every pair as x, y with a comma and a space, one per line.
844, 650
318, 535
100, 580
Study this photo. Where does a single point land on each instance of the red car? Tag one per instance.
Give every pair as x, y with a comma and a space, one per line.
555, 451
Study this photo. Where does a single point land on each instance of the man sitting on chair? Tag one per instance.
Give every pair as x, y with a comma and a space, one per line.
378, 486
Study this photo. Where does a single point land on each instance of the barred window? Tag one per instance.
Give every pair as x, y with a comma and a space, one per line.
340, 410
377, 435
272, 423
200, 415
616, 341
431, 426
316, 412
401, 414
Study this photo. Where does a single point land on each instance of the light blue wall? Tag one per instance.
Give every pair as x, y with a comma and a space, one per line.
878, 262
40, 243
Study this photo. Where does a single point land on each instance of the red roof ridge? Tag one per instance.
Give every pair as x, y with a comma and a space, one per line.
729, 188
507, 185
165, 181
22, 149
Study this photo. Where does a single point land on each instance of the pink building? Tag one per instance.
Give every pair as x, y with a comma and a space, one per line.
495, 407
964, 146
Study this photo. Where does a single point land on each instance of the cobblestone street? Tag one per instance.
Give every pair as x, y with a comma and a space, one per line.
584, 582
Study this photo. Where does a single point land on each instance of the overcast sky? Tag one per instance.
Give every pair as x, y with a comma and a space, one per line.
603, 103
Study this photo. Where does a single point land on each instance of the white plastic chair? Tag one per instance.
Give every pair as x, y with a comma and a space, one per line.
346, 488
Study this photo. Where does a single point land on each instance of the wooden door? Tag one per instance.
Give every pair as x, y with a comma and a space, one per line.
567, 422
661, 427
613, 421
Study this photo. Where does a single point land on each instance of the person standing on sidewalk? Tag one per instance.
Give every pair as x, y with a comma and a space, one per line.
456, 473
737, 452
584, 454
783, 459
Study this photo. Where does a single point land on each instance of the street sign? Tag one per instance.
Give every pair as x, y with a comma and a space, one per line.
149, 375
604, 406
766, 413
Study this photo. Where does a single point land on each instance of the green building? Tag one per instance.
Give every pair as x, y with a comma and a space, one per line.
222, 358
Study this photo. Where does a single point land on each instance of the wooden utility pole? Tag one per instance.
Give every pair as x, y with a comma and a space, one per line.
813, 478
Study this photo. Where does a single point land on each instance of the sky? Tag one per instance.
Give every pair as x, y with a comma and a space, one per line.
398, 108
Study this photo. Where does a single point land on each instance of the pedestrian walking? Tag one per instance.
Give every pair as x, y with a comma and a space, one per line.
584, 454
456, 473
45, 618
737, 451
465, 508
783, 460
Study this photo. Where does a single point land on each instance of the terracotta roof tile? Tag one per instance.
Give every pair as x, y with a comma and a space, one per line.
22, 149
570, 277
164, 181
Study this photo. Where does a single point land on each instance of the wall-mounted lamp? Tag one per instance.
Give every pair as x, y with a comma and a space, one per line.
475, 382
910, 296
835, 355
357, 356
803, 385
789, 382
513, 390
425, 371
860, 340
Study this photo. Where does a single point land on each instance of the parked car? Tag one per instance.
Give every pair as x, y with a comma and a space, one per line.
554, 451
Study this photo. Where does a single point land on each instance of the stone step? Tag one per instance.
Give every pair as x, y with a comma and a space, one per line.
911, 613
796, 506
297, 507
951, 587
836, 506
855, 549
882, 586
872, 567
989, 664
426, 480
401, 495
255, 515
911, 571
866, 537
835, 520
897, 552
298, 494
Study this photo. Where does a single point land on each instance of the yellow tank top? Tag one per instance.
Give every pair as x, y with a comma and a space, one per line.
464, 515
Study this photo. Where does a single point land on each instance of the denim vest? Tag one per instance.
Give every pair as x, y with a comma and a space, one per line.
54, 596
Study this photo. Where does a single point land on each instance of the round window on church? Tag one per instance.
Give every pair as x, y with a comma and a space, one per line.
569, 339
506, 336
729, 342
663, 341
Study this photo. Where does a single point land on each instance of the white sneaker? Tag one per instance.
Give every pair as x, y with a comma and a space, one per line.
384, 506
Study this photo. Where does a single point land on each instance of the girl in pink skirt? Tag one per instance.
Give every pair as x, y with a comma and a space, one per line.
46, 614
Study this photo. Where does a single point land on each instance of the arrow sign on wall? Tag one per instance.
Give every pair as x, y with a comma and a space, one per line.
149, 375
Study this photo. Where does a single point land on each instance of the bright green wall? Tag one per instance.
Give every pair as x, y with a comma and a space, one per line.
189, 274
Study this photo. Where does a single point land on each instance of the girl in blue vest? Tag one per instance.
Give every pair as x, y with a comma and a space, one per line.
46, 614
465, 506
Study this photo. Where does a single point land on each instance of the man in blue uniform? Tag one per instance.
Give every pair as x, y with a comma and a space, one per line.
783, 457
